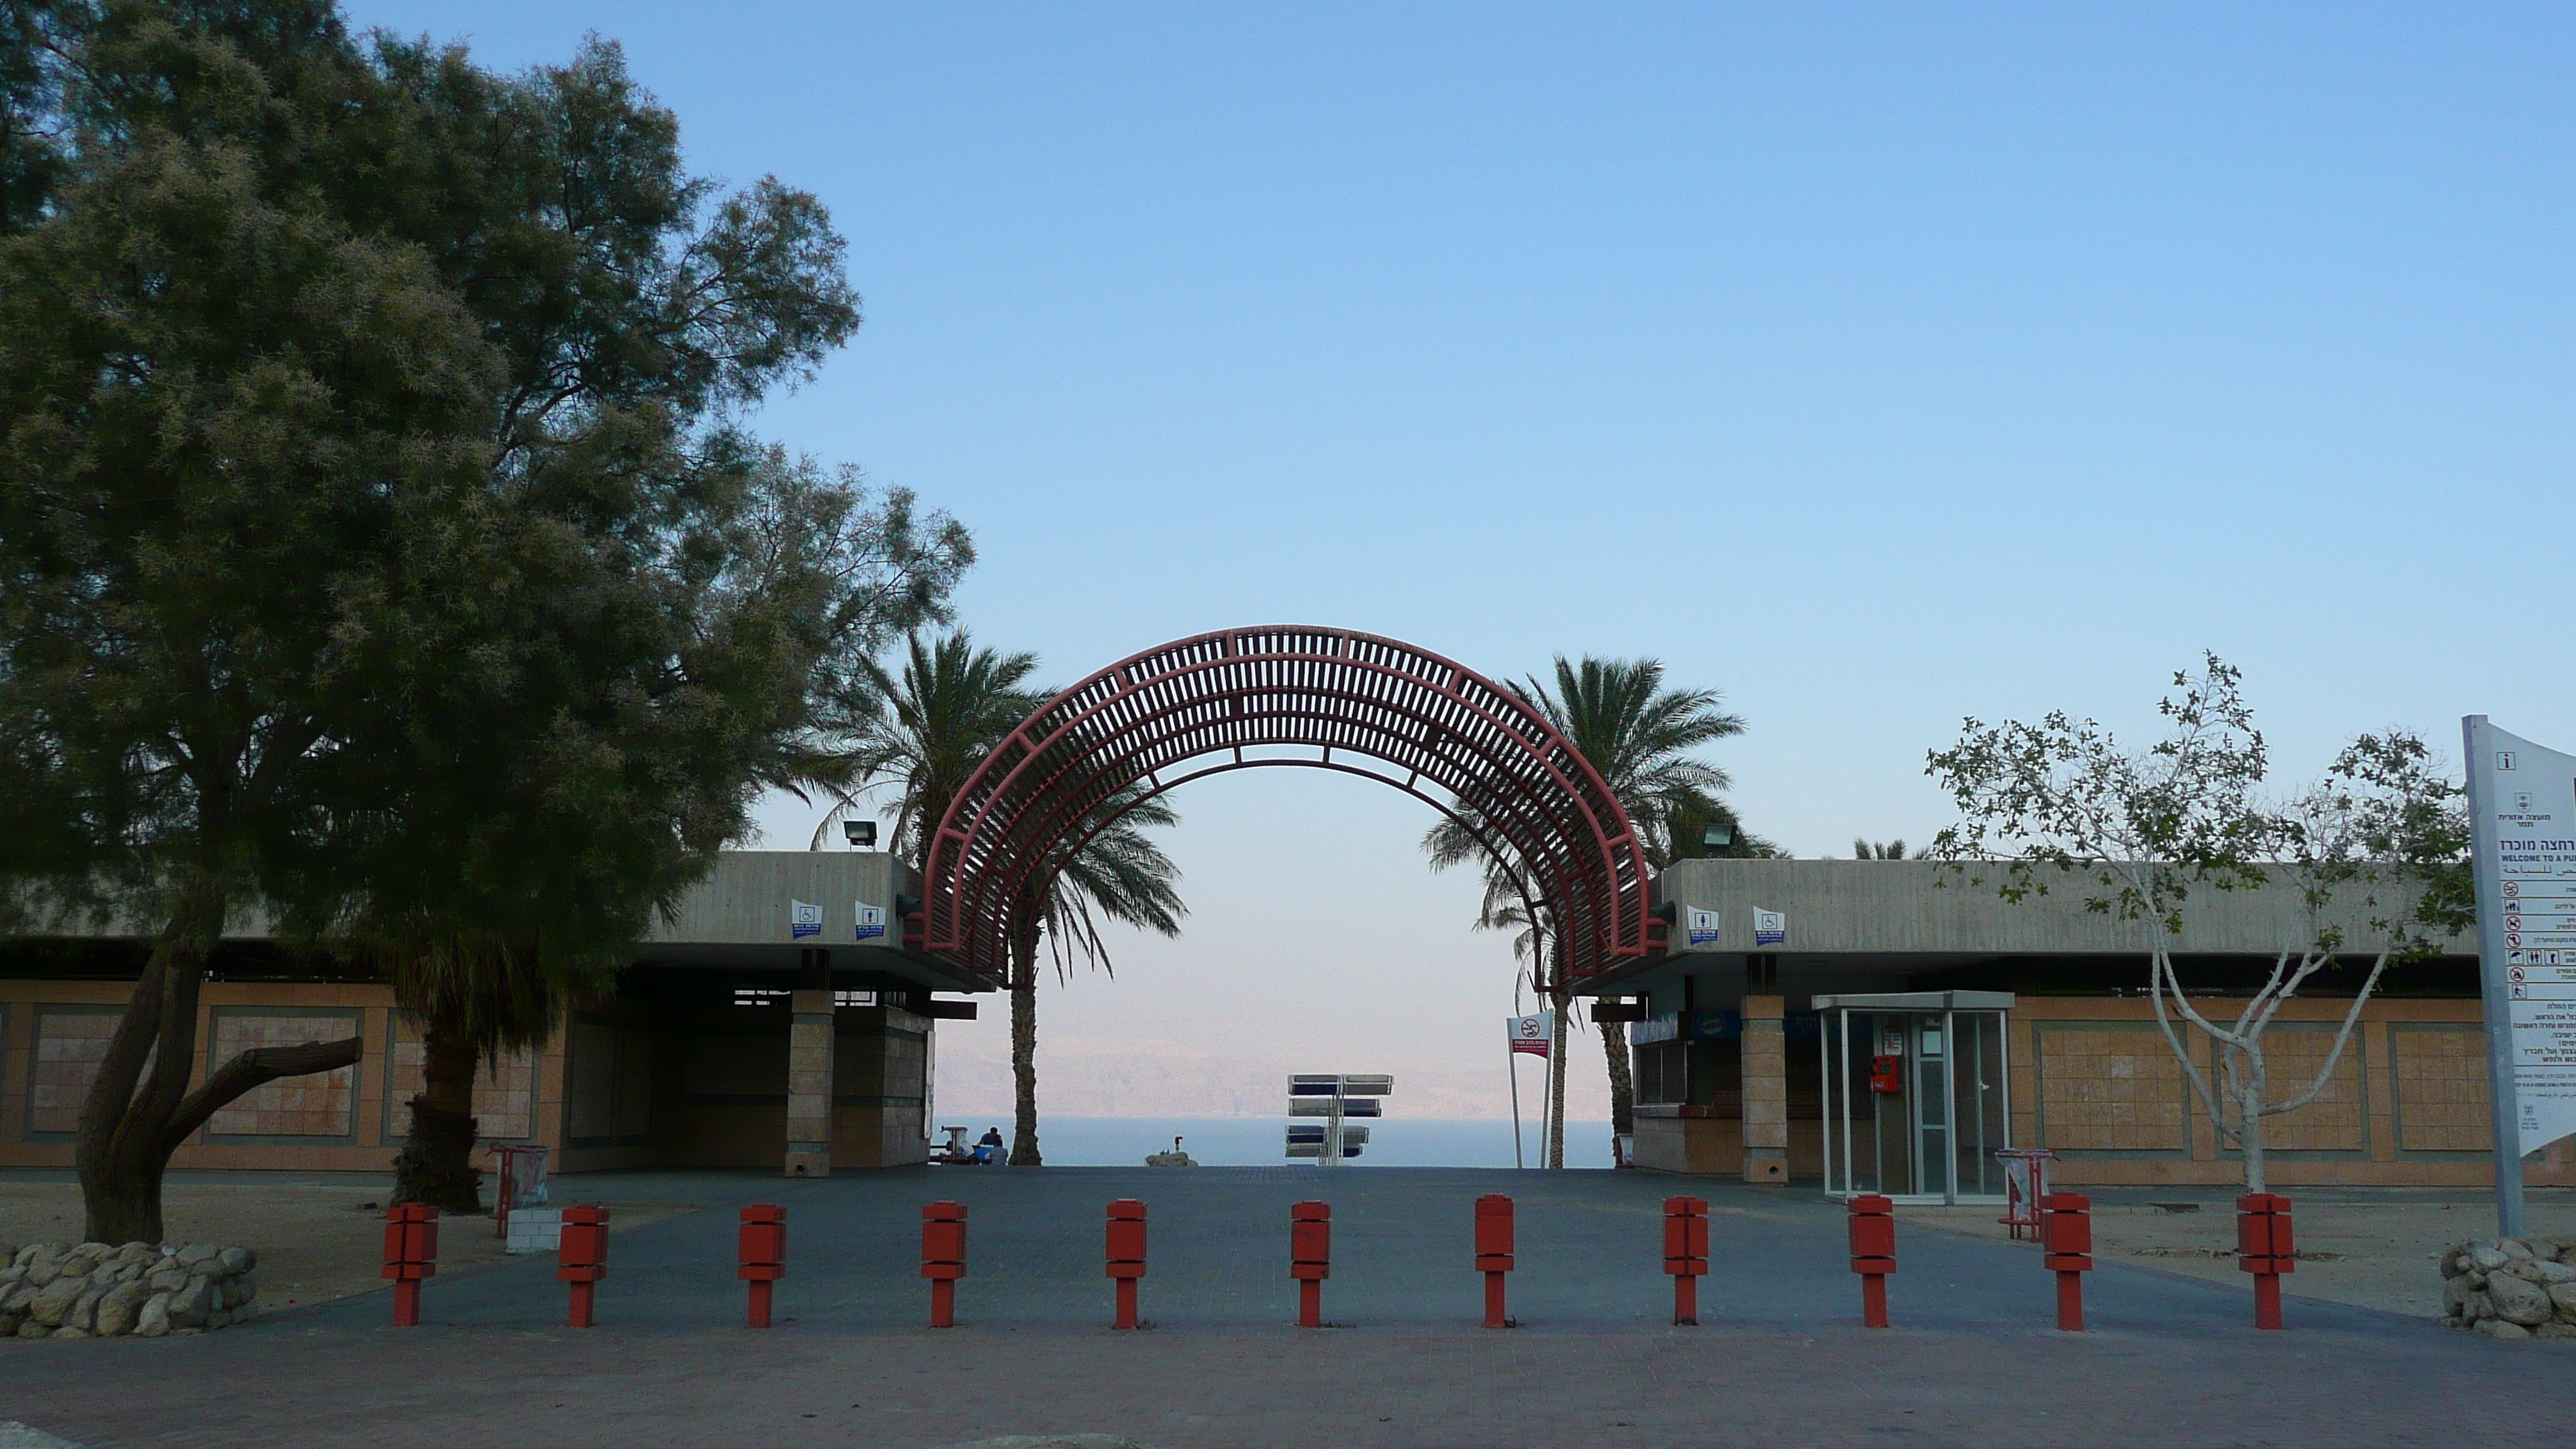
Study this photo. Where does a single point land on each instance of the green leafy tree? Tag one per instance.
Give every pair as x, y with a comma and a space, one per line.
461, 627
238, 434
2377, 852
1642, 737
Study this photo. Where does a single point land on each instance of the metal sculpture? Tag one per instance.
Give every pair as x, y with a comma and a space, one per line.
1250, 698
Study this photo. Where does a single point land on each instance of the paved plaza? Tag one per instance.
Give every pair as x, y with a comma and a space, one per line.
1779, 1357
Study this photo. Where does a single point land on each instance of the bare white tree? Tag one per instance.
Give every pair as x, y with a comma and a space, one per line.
2376, 851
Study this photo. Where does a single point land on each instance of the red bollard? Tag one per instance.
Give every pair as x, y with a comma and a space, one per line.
2066, 1231
2264, 1249
1310, 1258
1686, 1254
1873, 1253
411, 1254
1126, 1255
943, 1257
764, 1255
1494, 1253
582, 1257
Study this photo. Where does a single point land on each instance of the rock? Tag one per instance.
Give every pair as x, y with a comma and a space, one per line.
117, 1311
2564, 1295
154, 1319
32, 1329
144, 1253
2544, 1272
2487, 1257
2516, 1248
190, 1305
167, 1276
195, 1253
2455, 1297
2518, 1300
2555, 1330
14, 1435
2499, 1328
2455, 1260
54, 1300
15, 1300
236, 1260
2476, 1306
68, 1331
218, 1319
84, 1307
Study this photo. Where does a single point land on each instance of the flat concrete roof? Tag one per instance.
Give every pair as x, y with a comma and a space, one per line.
743, 917
1911, 916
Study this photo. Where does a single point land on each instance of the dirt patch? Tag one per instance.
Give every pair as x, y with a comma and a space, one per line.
2369, 1254
315, 1241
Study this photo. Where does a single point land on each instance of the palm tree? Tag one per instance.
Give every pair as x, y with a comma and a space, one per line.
1111, 871
1863, 849
1640, 737
926, 731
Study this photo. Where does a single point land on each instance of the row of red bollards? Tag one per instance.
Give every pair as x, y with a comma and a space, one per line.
2264, 1249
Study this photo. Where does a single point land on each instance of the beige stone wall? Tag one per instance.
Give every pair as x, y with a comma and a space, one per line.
2093, 1078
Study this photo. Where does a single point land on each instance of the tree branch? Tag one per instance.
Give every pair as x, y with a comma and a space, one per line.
252, 1070
2343, 1037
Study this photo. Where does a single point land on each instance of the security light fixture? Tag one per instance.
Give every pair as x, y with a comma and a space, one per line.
862, 834
1717, 837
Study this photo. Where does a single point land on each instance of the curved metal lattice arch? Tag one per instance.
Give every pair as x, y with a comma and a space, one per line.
1200, 706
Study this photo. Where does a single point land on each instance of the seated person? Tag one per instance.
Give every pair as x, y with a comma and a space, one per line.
988, 1148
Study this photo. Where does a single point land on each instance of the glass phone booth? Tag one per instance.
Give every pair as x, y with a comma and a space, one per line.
1916, 1097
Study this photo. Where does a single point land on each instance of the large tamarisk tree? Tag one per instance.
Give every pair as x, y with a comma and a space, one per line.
236, 435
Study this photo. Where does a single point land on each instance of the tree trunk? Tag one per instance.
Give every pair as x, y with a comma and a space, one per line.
1623, 1087
2249, 1137
436, 1164
1024, 1048
1556, 1081
139, 1108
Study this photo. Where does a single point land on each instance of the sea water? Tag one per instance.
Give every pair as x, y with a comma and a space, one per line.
1261, 1141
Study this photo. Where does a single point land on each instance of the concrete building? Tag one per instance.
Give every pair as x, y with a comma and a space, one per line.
773, 1021
1789, 985
1870, 1024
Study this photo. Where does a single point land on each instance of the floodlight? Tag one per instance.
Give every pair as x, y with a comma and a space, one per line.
1717, 837
861, 833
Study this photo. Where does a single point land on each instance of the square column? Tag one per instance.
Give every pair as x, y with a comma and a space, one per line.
1766, 1093
809, 1085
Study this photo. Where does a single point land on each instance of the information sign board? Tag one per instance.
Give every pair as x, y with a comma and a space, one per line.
2522, 802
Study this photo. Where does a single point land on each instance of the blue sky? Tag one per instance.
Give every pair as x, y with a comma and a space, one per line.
1878, 366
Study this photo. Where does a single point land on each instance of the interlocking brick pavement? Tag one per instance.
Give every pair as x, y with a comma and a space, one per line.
1780, 1359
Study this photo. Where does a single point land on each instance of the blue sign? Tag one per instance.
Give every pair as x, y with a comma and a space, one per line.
803, 920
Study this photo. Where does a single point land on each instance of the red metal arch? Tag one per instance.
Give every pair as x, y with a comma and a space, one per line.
1192, 708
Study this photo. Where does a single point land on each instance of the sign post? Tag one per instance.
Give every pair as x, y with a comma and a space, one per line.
2522, 848
1333, 1096
1522, 1034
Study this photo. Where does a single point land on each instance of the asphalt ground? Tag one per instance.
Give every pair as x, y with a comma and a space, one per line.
1779, 1356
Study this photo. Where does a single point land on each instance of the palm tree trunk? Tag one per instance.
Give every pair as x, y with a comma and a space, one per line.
1556, 1081
1623, 1089
1024, 1046
436, 1164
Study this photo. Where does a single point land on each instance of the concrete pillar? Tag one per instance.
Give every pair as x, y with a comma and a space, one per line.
809, 1085
1766, 1093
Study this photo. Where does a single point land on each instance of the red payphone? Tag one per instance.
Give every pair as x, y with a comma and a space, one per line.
1887, 1074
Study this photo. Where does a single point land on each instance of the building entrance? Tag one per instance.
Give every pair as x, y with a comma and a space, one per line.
1917, 1097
